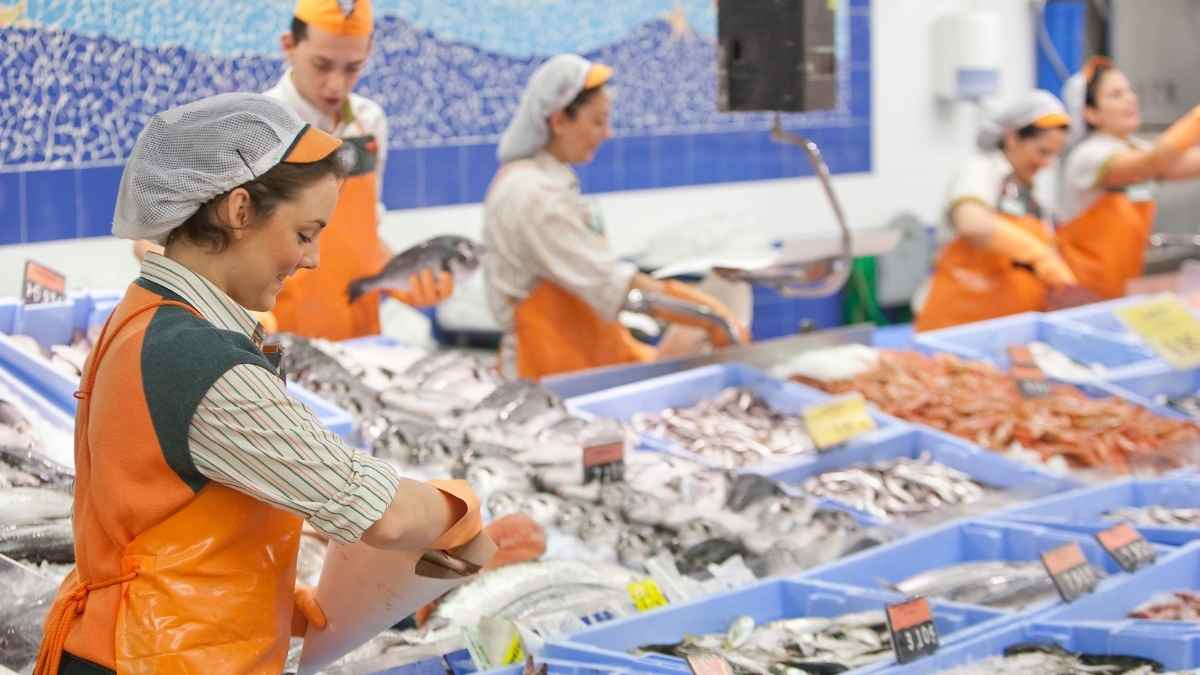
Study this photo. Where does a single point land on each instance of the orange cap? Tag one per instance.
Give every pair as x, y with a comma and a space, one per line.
597, 74
351, 18
310, 145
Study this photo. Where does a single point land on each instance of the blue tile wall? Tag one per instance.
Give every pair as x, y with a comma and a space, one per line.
69, 117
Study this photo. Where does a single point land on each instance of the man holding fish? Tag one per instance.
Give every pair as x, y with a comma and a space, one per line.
326, 49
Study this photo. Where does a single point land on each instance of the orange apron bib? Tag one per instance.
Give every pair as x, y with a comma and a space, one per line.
557, 332
1104, 246
313, 303
166, 580
972, 283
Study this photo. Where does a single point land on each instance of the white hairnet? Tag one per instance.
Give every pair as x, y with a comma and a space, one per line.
190, 154
553, 85
1037, 107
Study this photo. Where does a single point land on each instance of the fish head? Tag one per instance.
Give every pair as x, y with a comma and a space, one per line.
465, 256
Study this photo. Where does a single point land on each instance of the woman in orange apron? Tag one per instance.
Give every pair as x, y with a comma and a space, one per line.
194, 467
1002, 259
554, 285
1107, 184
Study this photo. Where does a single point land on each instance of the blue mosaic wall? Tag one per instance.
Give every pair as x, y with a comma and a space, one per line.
78, 79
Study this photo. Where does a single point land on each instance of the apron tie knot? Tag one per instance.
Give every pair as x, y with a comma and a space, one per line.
62, 614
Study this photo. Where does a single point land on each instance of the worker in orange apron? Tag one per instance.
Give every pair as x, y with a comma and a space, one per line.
1002, 259
326, 50
554, 285
194, 467
1108, 182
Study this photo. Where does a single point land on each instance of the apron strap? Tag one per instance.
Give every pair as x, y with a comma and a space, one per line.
58, 623
89, 380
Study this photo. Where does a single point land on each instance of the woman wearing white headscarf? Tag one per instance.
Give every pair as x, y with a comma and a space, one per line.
554, 284
1106, 203
1003, 259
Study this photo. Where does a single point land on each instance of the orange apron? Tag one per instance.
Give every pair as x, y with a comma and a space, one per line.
313, 303
167, 580
1104, 246
557, 332
971, 283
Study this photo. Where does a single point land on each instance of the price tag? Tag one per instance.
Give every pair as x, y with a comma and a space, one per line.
1169, 327
1128, 547
913, 632
646, 595
1031, 381
709, 664
42, 284
1072, 575
837, 421
604, 462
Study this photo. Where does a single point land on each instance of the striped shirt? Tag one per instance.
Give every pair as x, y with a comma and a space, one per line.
249, 434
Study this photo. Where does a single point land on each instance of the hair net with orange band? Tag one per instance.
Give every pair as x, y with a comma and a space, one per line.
350, 18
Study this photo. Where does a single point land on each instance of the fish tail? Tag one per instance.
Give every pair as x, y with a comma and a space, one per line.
357, 288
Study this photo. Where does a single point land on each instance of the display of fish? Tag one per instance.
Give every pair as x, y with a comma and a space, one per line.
447, 253
52, 542
804, 645
995, 583
1155, 516
1181, 605
30, 505
975, 401
898, 487
1052, 659
734, 429
527, 591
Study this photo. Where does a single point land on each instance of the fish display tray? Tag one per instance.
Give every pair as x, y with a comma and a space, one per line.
1147, 383
1100, 317
56, 323
1178, 570
609, 643
985, 466
1081, 510
460, 663
680, 390
961, 542
989, 341
1174, 651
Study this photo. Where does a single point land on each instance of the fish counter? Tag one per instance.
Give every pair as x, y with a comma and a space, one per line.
730, 522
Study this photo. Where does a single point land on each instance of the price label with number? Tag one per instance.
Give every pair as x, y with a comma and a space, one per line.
646, 595
42, 284
1072, 575
835, 422
1169, 327
1128, 547
709, 664
913, 632
604, 462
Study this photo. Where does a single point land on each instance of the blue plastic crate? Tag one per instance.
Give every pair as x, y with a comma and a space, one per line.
460, 663
610, 643
985, 466
1178, 570
1100, 317
961, 542
56, 323
1175, 652
1151, 384
688, 388
990, 340
1081, 510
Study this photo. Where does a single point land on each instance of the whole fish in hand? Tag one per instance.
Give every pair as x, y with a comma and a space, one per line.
447, 253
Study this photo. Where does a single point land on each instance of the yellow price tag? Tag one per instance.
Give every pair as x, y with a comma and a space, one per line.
837, 421
646, 595
1167, 325
515, 652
